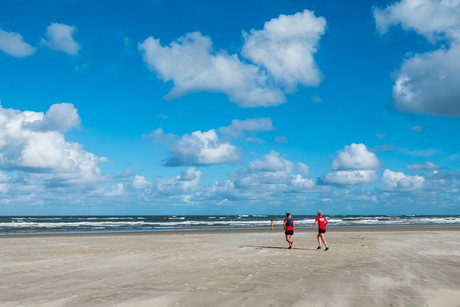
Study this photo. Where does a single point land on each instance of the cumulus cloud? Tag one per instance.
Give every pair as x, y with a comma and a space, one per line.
433, 19
427, 166
185, 182
271, 169
354, 165
13, 44
202, 148
356, 157
398, 181
60, 38
159, 137
44, 152
115, 191
428, 82
350, 178
285, 48
141, 183
125, 173
304, 169
282, 55
239, 127
270, 177
193, 65
60, 117
435, 175
281, 139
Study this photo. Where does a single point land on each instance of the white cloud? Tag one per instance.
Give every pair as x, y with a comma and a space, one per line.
158, 137
428, 82
193, 65
300, 184
282, 53
239, 127
271, 169
356, 157
430, 18
116, 191
45, 153
423, 167
281, 139
186, 182
381, 136
268, 178
354, 165
3, 177
271, 163
164, 116
60, 117
398, 181
285, 47
13, 44
60, 38
141, 183
304, 169
202, 148
350, 178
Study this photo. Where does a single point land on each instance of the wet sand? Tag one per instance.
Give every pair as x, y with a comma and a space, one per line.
387, 267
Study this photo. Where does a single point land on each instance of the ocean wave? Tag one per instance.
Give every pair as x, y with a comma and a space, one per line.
127, 223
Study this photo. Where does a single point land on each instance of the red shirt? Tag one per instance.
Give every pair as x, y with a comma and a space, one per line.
287, 226
321, 222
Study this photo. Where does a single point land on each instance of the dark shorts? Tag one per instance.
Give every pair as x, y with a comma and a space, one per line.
289, 232
321, 230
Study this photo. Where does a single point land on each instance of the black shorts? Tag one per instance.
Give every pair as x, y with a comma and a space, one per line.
289, 232
321, 230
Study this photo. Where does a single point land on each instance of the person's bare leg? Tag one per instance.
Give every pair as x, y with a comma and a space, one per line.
288, 239
319, 239
322, 238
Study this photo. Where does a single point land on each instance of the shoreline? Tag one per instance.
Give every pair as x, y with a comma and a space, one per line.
331, 229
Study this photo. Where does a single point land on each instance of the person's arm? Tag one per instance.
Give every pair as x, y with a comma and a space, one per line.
284, 224
325, 221
316, 221
293, 224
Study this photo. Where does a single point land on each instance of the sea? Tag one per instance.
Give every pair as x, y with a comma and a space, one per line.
99, 224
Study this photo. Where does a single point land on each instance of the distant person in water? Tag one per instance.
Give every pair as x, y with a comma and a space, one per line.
322, 222
289, 229
271, 224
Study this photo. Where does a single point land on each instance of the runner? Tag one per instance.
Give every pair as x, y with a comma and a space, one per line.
289, 229
322, 222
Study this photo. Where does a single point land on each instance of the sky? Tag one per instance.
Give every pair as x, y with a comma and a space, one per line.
218, 107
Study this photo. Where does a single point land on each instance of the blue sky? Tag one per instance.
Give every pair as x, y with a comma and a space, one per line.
178, 107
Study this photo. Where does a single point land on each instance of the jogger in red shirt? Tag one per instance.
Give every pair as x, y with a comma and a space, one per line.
322, 222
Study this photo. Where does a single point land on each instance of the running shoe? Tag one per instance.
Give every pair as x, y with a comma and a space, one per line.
319, 247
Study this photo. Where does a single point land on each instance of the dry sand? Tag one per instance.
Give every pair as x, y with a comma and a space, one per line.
399, 268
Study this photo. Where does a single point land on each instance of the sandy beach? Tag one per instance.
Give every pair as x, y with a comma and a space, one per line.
377, 267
